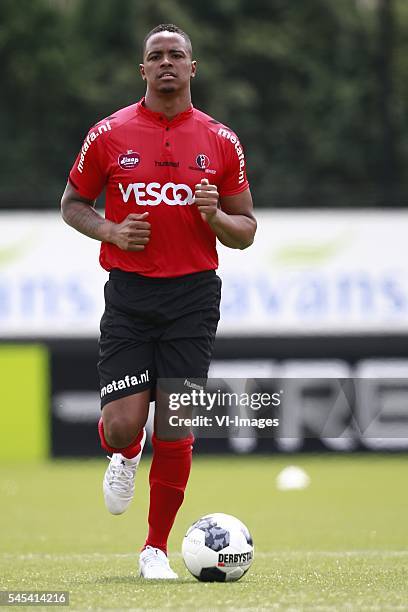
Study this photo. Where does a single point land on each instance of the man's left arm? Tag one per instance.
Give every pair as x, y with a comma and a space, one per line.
230, 217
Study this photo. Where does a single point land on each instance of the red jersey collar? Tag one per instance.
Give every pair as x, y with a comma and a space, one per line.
160, 118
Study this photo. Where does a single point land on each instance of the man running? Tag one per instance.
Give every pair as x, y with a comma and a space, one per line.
175, 181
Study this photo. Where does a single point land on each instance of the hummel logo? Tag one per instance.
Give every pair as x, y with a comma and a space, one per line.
188, 383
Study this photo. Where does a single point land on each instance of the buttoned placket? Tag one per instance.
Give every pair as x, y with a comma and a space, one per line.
166, 152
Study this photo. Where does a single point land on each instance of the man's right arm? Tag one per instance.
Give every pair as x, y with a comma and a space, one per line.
78, 212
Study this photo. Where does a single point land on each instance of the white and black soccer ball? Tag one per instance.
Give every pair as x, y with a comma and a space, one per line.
218, 548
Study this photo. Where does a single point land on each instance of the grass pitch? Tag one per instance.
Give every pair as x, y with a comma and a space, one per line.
341, 544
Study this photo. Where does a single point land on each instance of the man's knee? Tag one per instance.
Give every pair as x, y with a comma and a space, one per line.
119, 431
124, 419
172, 426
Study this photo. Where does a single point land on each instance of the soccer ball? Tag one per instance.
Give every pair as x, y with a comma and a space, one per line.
218, 548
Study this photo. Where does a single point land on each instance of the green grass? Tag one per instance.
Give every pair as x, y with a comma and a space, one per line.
341, 544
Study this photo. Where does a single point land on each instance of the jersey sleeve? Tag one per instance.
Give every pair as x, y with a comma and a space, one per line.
234, 179
88, 174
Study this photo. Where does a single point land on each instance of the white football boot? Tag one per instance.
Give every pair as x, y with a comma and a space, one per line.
119, 480
154, 565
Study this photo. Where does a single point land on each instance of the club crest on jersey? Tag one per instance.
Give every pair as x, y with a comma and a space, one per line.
129, 160
202, 161
202, 164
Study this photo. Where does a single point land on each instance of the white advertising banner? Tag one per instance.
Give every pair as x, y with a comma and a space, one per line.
319, 271
308, 272
51, 283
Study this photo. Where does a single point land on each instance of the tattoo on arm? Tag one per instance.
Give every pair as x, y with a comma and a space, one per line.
82, 216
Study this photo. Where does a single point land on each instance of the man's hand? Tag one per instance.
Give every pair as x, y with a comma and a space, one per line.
206, 199
132, 234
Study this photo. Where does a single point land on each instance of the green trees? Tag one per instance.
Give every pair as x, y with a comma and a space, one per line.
316, 90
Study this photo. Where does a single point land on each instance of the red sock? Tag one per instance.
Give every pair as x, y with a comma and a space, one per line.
129, 451
168, 478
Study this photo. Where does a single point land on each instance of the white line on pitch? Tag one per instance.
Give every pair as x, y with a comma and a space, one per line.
261, 554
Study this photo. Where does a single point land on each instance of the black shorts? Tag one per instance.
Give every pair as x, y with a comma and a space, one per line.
156, 328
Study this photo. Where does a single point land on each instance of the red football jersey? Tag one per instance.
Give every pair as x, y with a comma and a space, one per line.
147, 163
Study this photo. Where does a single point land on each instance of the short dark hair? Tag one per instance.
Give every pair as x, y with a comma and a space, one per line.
168, 27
